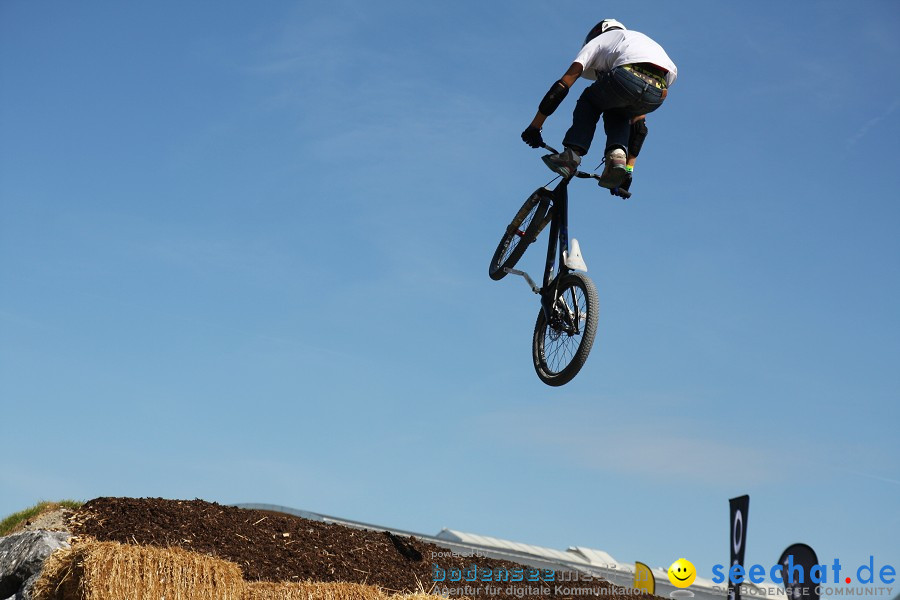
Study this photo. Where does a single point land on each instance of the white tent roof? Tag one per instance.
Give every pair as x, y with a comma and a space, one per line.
596, 558
491, 542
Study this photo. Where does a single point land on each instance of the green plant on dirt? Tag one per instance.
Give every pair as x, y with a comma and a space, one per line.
12, 522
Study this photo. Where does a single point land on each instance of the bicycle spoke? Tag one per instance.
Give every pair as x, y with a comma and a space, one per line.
519, 234
563, 336
561, 350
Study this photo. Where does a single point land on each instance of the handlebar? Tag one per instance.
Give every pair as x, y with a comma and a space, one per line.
624, 194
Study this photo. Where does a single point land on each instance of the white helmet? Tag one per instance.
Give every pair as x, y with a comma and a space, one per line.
602, 27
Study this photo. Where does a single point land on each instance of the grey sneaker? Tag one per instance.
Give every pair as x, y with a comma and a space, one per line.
614, 174
564, 163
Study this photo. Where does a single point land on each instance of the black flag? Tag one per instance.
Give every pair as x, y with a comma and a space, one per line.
796, 563
740, 506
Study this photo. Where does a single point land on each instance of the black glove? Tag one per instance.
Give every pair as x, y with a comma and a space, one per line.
532, 137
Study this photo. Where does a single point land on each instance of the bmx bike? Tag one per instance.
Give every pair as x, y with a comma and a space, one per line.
567, 321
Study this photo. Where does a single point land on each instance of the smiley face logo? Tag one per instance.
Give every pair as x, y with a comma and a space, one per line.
682, 573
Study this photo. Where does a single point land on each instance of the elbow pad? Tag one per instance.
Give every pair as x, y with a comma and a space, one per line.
636, 140
553, 98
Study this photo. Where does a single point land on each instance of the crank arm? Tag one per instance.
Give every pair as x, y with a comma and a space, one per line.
529, 280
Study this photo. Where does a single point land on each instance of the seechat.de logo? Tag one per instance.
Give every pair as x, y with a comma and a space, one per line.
818, 574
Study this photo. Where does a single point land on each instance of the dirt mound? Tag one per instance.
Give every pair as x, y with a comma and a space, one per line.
275, 547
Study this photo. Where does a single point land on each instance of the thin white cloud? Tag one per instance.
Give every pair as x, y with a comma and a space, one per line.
871, 476
642, 445
873, 122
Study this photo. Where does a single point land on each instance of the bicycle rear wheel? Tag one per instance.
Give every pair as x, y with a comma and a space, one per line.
561, 344
522, 231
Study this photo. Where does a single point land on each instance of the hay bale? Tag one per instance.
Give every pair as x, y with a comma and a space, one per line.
58, 579
312, 590
423, 596
92, 570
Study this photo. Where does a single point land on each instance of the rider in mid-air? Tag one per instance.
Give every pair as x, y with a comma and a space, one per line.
632, 75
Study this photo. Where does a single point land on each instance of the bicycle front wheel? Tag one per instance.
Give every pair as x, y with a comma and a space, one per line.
563, 340
523, 230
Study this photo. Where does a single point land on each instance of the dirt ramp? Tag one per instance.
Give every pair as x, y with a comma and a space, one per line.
267, 546
279, 548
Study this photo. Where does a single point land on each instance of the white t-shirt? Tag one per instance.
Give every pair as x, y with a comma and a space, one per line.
620, 47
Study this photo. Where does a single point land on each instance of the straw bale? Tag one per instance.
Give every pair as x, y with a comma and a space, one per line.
60, 578
312, 590
423, 596
92, 570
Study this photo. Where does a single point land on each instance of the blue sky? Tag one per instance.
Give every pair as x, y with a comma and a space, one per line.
244, 250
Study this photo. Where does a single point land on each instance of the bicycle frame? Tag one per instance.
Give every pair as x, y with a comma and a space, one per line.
567, 323
559, 233
558, 215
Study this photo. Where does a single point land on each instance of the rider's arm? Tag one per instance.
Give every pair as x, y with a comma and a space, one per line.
567, 80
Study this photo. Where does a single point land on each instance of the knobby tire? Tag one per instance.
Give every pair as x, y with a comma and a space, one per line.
522, 231
561, 347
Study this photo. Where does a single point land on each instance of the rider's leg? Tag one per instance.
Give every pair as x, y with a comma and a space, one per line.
636, 137
617, 124
578, 138
605, 94
640, 98
616, 97
584, 122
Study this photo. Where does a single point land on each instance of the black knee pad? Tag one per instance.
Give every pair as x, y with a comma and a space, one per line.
636, 139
